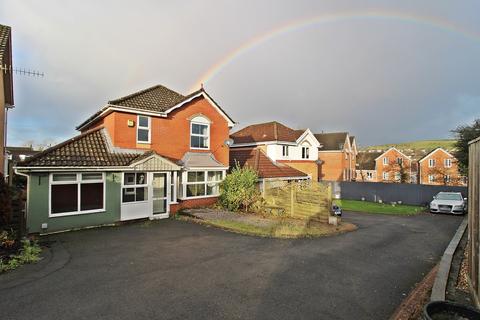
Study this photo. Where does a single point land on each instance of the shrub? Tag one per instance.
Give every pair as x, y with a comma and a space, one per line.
5, 202
29, 253
239, 189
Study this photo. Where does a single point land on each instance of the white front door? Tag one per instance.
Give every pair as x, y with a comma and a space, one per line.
160, 194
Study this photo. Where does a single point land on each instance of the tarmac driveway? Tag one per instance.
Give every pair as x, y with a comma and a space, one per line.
177, 270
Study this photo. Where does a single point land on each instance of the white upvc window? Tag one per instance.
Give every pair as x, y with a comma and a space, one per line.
385, 161
134, 187
202, 183
397, 176
447, 178
431, 163
386, 176
76, 193
448, 163
431, 178
399, 161
200, 133
285, 151
143, 129
305, 152
369, 175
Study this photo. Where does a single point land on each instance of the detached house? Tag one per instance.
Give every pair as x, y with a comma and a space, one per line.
6, 90
338, 154
439, 167
389, 166
294, 153
144, 155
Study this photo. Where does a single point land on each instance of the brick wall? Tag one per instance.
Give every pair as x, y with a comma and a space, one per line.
192, 203
439, 171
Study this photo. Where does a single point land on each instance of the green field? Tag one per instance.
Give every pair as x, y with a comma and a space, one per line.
416, 145
373, 207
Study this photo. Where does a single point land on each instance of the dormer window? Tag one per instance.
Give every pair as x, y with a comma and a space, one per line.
143, 129
200, 133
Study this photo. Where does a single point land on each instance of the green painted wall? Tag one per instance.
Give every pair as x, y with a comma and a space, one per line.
38, 206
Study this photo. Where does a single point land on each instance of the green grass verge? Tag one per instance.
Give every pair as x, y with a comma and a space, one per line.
373, 207
417, 145
282, 229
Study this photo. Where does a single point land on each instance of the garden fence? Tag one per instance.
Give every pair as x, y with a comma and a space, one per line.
306, 200
474, 217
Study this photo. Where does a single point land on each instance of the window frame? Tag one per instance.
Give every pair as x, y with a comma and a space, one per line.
369, 175
205, 182
431, 178
207, 124
447, 163
285, 151
431, 163
385, 161
386, 176
305, 152
400, 161
78, 181
134, 186
149, 128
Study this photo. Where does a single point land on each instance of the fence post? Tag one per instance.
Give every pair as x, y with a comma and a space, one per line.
292, 199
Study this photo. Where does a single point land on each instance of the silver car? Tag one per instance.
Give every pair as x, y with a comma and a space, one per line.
448, 202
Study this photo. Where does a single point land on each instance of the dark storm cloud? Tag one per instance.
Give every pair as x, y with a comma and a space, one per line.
383, 80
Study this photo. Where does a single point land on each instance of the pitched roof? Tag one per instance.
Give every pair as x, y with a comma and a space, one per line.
90, 149
433, 151
154, 99
268, 131
260, 162
366, 160
4, 41
331, 141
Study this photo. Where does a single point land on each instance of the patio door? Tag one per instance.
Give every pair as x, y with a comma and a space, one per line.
160, 194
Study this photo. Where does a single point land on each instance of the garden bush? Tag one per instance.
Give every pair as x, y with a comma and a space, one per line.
5, 203
239, 189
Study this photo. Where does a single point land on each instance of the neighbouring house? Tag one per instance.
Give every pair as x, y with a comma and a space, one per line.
6, 89
297, 149
338, 155
266, 168
14, 156
144, 155
389, 166
439, 167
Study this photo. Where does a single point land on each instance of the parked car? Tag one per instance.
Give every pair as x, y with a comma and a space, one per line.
448, 202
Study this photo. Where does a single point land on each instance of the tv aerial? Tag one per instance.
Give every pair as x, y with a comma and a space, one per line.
21, 71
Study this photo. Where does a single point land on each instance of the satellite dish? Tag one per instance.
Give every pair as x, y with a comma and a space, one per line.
228, 142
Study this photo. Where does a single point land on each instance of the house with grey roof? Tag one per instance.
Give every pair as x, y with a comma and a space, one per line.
145, 155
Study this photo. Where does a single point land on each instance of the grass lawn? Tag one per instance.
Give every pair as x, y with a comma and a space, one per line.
373, 207
417, 145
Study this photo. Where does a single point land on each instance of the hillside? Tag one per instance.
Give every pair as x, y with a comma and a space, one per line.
416, 145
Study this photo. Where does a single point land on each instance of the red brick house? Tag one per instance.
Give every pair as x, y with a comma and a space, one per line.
440, 167
389, 166
144, 155
338, 154
297, 149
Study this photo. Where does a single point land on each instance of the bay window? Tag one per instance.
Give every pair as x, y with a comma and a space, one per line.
134, 187
202, 183
76, 193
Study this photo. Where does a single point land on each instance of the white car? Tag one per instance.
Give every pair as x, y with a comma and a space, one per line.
448, 202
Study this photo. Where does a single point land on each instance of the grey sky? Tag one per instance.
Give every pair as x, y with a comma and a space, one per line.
385, 80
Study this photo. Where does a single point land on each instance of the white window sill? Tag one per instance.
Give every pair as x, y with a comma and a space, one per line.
75, 213
200, 197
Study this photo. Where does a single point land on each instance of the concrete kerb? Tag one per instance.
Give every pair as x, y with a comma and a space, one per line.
440, 284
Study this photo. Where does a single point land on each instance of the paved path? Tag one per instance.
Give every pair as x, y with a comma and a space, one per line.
178, 270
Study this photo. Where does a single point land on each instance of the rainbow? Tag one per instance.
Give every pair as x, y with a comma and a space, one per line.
317, 20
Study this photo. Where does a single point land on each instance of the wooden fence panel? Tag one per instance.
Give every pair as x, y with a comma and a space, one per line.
474, 215
301, 200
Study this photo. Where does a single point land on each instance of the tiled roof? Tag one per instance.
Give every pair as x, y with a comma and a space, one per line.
4, 39
260, 162
331, 141
154, 99
157, 98
90, 149
366, 160
269, 131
